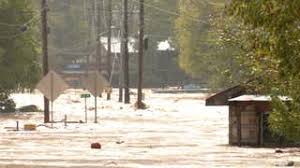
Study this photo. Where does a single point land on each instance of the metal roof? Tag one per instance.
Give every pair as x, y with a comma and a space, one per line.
257, 98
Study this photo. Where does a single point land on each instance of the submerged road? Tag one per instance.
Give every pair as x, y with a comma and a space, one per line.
176, 131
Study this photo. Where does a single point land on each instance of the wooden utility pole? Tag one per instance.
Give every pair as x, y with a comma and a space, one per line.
109, 24
45, 53
126, 54
121, 60
98, 36
89, 19
140, 104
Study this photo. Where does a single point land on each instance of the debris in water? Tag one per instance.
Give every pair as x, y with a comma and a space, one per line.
290, 163
96, 145
120, 142
29, 127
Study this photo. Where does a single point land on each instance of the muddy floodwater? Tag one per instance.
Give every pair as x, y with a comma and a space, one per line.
176, 131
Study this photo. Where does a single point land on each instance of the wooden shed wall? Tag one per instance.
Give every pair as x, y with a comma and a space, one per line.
245, 122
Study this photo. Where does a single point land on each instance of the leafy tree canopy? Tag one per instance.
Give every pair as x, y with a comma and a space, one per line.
205, 53
273, 46
19, 48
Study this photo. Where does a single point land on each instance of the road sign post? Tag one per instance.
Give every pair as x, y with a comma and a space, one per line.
52, 85
96, 94
85, 96
95, 83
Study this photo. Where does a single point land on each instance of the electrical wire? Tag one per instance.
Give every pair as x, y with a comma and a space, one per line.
26, 24
8, 37
169, 12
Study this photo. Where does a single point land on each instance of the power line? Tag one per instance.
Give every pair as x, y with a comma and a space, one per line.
105, 11
24, 25
169, 12
15, 35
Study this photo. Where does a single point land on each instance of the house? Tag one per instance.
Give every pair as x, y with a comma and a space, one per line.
248, 121
78, 64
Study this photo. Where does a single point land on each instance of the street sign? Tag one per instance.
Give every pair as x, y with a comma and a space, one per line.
52, 85
95, 83
85, 96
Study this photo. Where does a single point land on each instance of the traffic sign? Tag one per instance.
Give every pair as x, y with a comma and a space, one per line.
52, 85
95, 83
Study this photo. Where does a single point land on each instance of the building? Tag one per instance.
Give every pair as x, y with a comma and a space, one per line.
248, 121
77, 65
221, 98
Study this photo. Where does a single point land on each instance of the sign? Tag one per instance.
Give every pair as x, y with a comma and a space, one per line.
95, 83
52, 85
85, 96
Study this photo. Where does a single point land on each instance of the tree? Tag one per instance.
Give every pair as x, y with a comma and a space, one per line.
207, 50
71, 33
162, 13
19, 48
273, 45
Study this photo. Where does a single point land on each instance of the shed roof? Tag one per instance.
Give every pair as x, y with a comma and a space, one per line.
222, 97
257, 98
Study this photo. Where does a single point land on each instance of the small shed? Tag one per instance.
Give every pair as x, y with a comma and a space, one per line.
221, 98
248, 121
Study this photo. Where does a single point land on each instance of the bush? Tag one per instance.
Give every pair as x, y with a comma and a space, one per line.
6, 104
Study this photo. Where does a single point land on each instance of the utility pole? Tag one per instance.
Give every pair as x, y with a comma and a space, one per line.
98, 37
121, 60
109, 45
140, 104
126, 54
89, 19
45, 53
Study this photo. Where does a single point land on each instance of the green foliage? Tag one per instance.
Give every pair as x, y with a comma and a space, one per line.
272, 42
208, 49
19, 50
283, 121
6, 104
192, 35
69, 31
162, 13
159, 21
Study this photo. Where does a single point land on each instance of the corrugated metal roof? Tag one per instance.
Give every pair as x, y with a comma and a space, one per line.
257, 98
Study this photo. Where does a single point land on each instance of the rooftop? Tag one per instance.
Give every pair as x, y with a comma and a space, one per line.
257, 98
